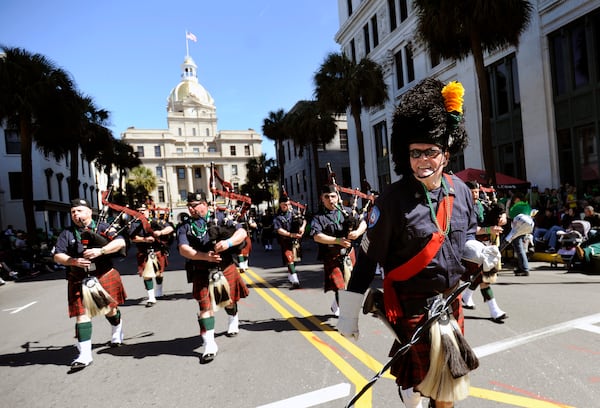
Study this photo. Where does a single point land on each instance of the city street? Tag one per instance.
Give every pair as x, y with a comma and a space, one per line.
288, 353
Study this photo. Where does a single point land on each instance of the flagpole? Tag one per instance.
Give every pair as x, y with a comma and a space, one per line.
187, 47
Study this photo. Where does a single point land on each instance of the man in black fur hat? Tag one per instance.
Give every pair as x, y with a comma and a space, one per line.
85, 248
417, 232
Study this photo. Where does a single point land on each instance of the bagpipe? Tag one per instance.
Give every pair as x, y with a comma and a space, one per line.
353, 219
121, 224
243, 202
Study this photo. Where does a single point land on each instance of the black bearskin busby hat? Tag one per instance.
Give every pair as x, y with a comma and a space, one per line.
428, 113
328, 188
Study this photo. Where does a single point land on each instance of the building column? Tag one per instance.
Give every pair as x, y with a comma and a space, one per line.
189, 175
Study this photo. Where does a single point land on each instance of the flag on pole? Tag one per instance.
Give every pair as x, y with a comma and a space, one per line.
190, 36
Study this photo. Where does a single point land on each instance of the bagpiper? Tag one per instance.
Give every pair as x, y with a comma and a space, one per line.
210, 241
94, 286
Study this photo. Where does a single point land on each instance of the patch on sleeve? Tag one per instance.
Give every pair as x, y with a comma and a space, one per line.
373, 217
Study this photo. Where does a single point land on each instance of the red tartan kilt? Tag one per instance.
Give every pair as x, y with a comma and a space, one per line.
247, 248
142, 257
237, 287
333, 273
110, 281
412, 367
287, 253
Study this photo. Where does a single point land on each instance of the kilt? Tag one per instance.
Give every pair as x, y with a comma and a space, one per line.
247, 248
110, 281
142, 257
287, 253
237, 287
411, 368
334, 273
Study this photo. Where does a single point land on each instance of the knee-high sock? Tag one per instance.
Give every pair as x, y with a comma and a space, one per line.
148, 284
83, 331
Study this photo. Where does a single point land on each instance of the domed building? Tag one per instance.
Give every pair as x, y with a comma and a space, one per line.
181, 155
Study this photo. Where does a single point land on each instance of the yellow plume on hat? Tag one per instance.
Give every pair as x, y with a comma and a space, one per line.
453, 96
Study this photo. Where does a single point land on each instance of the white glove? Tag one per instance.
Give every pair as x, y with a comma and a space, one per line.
350, 306
491, 257
473, 251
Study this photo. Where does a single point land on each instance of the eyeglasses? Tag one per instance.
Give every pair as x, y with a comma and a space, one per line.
429, 153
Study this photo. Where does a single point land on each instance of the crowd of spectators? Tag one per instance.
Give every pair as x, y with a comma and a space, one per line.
21, 257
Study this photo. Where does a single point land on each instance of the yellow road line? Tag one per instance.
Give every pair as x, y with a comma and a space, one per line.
342, 365
348, 345
370, 361
514, 400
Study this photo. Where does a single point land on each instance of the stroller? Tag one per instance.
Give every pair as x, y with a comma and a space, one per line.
569, 240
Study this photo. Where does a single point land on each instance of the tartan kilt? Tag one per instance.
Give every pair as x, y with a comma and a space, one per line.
110, 281
247, 248
237, 287
287, 253
333, 272
411, 368
142, 257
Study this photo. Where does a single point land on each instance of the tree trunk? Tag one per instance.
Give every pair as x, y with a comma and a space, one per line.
280, 162
360, 142
484, 100
27, 180
74, 173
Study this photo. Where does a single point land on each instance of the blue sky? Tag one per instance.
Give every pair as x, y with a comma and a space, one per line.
253, 57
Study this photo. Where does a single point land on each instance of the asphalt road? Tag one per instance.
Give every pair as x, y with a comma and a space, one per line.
288, 354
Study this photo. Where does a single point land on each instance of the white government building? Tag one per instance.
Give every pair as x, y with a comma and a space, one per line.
545, 93
181, 155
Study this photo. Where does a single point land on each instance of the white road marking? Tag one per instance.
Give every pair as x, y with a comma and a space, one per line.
589, 327
496, 347
18, 309
313, 398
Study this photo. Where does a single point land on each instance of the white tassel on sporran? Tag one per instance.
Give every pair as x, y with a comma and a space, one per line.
347, 268
219, 290
296, 251
96, 299
446, 363
151, 266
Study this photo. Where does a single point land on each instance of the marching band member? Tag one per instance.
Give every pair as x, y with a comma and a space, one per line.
335, 228
85, 248
249, 225
417, 232
490, 222
290, 228
152, 247
209, 241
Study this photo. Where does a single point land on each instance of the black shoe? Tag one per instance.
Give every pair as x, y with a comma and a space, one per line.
295, 285
150, 304
78, 366
470, 307
521, 273
207, 358
499, 319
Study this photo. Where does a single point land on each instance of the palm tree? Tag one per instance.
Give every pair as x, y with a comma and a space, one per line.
33, 95
260, 176
141, 182
310, 127
87, 134
274, 128
457, 29
342, 83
